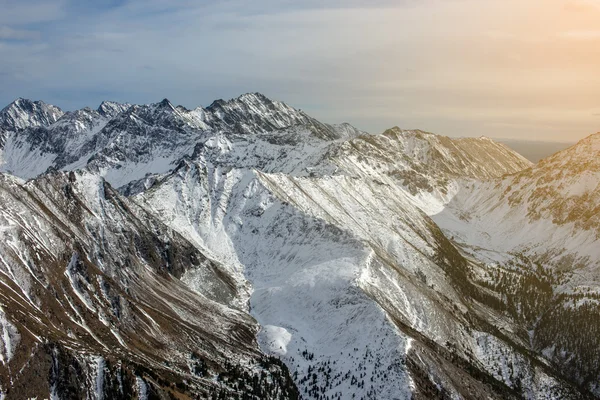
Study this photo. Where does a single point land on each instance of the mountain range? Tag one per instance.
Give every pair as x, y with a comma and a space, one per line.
247, 250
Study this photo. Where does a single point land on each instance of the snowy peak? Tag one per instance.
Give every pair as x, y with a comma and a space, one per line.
564, 187
165, 103
251, 103
347, 131
124, 142
84, 116
15, 118
426, 165
469, 157
585, 151
110, 109
23, 113
161, 114
254, 112
152, 120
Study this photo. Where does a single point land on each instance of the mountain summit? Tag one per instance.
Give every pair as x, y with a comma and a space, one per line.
126, 142
23, 113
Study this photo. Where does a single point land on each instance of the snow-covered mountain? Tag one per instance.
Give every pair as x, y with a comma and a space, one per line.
393, 266
124, 142
426, 165
550, 208
95, 305
540, 228
22, 114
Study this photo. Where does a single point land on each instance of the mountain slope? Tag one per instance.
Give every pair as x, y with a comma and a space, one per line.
319, 249
91, 285
426, 165
550, 209
537, 233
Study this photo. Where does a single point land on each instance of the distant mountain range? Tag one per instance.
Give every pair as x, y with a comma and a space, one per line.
247, 251
536, 150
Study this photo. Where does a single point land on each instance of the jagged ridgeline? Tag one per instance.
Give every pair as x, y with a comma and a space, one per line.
247, 250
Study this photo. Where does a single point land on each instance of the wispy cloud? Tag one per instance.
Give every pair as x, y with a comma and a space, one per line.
8, 33
31, 11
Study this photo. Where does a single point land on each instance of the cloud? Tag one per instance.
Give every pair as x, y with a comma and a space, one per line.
8, 33
31, 11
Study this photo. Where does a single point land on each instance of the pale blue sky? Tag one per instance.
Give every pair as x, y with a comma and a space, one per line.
500, 68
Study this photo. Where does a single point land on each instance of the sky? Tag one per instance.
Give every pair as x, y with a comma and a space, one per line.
521, 69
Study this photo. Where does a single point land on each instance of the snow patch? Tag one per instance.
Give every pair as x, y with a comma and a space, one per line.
275, 339
9, 340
